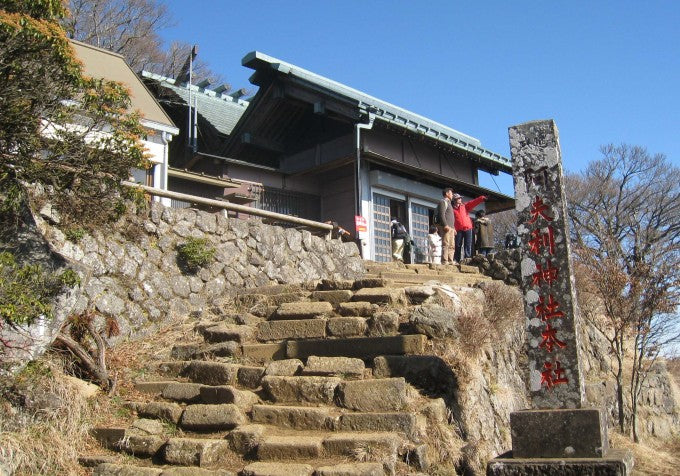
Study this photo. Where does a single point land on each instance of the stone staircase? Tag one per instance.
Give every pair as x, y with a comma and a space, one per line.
291, 381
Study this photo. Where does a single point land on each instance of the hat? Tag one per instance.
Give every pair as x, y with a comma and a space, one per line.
456, 196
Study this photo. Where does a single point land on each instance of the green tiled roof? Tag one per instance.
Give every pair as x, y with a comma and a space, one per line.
221, 110
382, 110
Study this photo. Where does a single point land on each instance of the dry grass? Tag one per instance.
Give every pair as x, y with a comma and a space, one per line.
651, 456
47, 440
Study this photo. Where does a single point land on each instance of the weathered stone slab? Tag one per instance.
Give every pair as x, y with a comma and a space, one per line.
228, 332
161, 410
249, 377
345, 444
291, 329
362, 347
427, 372
171, 368
315, 390
384, 323
245, 438
333, 297
380, 295
189, 471
277, 469
211, 373
148, 426
152, 387
464, 268
555, 376
356, 308
114, 469
264, 352
289, 447
220, 349
374, 395
351, 469
284, 368
145, 446
559, 433
92, 461
184, 351
183, 392
212, 417
196, 452
614, 463
108, 437
409, 424
300, 418
346, 326
333, 285
371, 283
244, 399
303, 310
345, 367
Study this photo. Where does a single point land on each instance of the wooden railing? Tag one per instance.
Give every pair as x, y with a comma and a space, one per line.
315, 225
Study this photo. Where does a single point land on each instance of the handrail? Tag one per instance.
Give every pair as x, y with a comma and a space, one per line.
229, 206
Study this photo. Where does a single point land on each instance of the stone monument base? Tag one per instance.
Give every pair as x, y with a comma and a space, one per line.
560, 441
613, 463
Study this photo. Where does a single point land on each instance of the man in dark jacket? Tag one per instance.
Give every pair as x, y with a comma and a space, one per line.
445, 225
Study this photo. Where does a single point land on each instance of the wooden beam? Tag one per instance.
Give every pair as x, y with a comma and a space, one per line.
260, 143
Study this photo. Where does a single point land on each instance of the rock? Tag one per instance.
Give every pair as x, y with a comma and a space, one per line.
317, 390
346, 367
212, 417
434, 321
286, 367
374, 395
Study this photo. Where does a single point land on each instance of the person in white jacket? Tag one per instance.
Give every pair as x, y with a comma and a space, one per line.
434, 246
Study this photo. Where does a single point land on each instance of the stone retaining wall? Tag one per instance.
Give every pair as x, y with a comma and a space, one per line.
140, 283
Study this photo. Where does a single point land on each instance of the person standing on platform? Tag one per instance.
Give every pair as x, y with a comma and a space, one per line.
483, 233
434, 246
399, 235
463, 224
445, 222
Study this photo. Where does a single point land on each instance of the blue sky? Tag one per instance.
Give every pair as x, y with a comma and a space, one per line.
605, 71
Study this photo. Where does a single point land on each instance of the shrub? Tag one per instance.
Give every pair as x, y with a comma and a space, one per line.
26, 291
195, 253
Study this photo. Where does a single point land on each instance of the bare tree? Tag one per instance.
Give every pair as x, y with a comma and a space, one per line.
504, 223
625, 224
131, 28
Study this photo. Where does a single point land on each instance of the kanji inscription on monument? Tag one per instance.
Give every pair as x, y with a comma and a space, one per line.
547, 280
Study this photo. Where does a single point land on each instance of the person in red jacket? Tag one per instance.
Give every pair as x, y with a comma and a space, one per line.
463, 224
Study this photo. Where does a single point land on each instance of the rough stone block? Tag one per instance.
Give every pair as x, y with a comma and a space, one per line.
220, 349
291, 329
211, 373
289, 447
614, 463
147, 426
172, 368
314, 390
183, 392
333, 285
217, 394
384, 323
249, 377
407, 423
347, 326
370, 283
333, 297
351, 469
303, 310
374, 395
300, 418
277, 469
358, 308
380, 295
161, 410
426, 372
345, 444
285, 368
347, 367
245, 438
361, 347
184, 351
196, 452
228, 332
264, 352
108, 437
558, 433
145, 446
188, 471
152, 387
114, 469
212, 417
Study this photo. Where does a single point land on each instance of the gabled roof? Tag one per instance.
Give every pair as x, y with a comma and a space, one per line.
265, 65
221, 110
101, 63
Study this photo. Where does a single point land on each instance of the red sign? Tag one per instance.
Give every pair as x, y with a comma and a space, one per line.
360, 224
